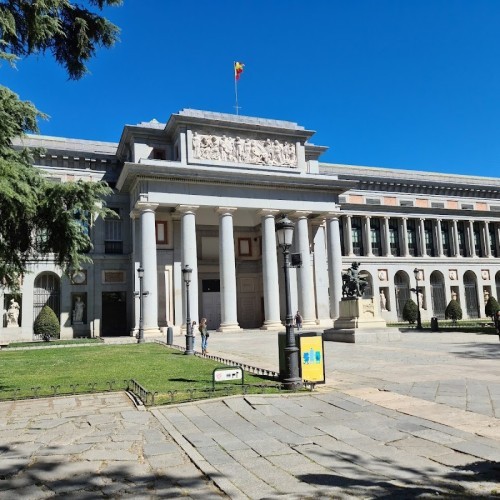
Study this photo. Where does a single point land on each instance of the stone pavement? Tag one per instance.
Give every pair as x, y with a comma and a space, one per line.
415, 418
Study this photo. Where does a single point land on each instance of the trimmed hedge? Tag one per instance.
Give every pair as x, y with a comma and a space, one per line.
46, 324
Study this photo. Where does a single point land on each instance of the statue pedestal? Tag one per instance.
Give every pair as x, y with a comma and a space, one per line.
359, 322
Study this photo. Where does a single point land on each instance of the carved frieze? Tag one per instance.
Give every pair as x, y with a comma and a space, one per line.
243, 150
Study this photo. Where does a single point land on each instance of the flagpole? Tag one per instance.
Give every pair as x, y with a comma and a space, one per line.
235, 86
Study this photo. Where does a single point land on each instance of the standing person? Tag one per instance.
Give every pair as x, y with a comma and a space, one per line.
204, 335
298, 320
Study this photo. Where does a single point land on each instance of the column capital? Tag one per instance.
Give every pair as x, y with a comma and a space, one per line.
187, 208
145, 206
225, 210
268, 212
332, 215
367, 216
134, 214
300, 214
387, 217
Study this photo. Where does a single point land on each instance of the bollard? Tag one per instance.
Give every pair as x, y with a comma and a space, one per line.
434, 324
170, 335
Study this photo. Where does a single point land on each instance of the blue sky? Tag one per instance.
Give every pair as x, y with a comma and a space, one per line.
412, 84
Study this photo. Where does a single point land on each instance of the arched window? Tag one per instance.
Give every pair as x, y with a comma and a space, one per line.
471, 302
438, 295
402, 289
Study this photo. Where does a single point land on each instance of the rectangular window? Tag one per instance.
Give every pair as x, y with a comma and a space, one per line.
445, 237
159, 154
406, 203
429, 238
244, 247
357, 238
113, 240
341, 231
477, 239
394, 237
342, 199
437, 204
375, 237
161, 232
412, 237
467, 206
493, 241
461, 238
373, 201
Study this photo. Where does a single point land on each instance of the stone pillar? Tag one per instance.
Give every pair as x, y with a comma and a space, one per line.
334, 263
270, 272
472, 247
404, 239
148, 262
227, 269
496, 228
487, 242
422, 249
321, 273
387, 238
305, 282
456, 241
439, 238
368, 236
348, 236
190, 258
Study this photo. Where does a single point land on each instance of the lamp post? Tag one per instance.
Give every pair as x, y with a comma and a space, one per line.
416, 272
186, 274
141, 294
292, 380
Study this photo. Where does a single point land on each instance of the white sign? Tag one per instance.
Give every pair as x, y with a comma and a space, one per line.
223, 374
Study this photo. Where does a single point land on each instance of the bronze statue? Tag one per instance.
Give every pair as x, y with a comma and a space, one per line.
352, 283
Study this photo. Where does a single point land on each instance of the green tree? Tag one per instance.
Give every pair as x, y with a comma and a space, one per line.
46, 324
410, 311
453, 311
491, 307
39, 216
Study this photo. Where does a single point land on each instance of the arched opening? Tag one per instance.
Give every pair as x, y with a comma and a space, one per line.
438, 294
402, 289
497, 285
47, 291
471, 301
368, 291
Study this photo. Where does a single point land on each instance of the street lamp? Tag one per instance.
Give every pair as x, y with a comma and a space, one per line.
292, 380
416, 272
186, 274
141, 294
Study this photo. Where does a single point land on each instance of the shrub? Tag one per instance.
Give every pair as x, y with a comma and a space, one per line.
453, 311
410, 311
491, 307
46, 324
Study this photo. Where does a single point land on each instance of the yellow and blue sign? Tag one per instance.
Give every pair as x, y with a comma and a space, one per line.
312, 360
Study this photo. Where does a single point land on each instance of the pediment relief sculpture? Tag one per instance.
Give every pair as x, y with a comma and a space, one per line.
243, 150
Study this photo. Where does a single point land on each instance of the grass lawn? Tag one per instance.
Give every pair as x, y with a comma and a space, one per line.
159, 369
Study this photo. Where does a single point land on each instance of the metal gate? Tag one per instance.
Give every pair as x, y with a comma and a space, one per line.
438, 296
402, 290
471, 303
46, 292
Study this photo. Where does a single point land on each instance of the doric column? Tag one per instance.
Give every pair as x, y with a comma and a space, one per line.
472, 246
422, 249
348, 236
270, 271
189, 257
305, 281
456, 241
334, 263
387, 237
368, 236
321, 273
404, 239
496, 230
487, 242
439, 238
148, 261
227, 269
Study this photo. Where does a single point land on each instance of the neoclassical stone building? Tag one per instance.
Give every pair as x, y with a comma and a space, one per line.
205, 189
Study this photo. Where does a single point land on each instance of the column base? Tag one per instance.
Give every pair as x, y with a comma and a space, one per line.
272, 325
309, 323
229, 327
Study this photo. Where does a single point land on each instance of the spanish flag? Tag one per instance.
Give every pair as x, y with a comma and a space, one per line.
238, 69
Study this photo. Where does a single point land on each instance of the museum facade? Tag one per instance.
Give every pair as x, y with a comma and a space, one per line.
205, 190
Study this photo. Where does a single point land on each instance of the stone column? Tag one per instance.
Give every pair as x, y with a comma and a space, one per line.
270, 272
334, 263
387, 238
321, 273
439, 238
472, 247
227, 269
456, 243
496, 229
305, 282
190, 258
348, 236
148, 262
368, 236
404, 239
487, 241
423, 249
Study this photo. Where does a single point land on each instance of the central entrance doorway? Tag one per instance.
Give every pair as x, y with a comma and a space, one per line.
114, 314
210, 303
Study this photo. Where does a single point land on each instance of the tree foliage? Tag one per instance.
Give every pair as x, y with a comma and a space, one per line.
410, 311
453, 311
39, 216
491, 307
46, 324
